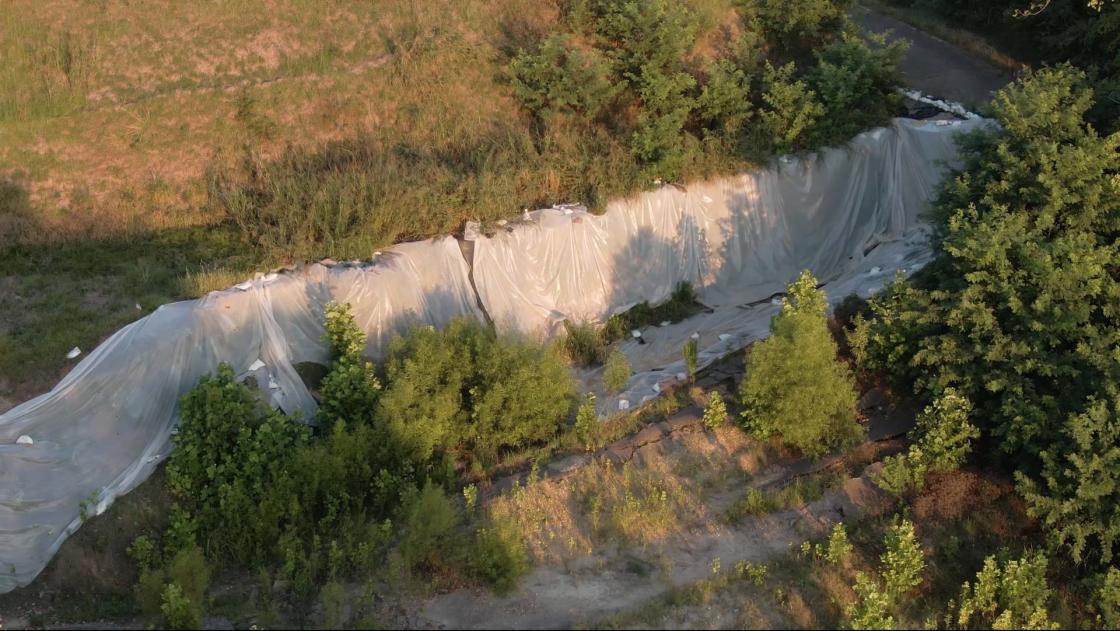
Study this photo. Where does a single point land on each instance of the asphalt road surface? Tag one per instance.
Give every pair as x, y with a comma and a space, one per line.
935, 66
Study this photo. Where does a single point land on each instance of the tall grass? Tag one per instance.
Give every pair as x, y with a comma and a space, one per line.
42, 72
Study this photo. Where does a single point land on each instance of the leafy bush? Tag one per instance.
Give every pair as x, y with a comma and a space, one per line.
943, 439
558, 77
1108, 599
1008, 594
856, 85
839, 547
902, 562
178, 610
871, 609
793, 25
429, 539
790, 112
794, 384
499, 556
465, 391
1078, 497
616, 372
715, 412
228, 445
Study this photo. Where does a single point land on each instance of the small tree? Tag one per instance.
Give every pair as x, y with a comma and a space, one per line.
587, 419
715, 412
871, 610
1008, 595
902, 562
943, 438
794, 385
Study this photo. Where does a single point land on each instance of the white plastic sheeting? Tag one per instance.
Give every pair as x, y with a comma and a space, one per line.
103, 429
106, 425
840, 213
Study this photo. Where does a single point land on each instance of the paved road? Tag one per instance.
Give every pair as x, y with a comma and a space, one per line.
935, 66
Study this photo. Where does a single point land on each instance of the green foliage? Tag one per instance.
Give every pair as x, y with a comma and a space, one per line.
902, 562
587, 422
178, 610
715, 412
1078, 496
794, 384
145, 552
616, 372
856, 83
659, 139
562, 78
942, 440
690, 354
871, 610
790, 112
1008, 594
341, 333
189, 570
724, 103
499, 555
1021, 312
429, 539
228, 444
464, 390
794, 24
839, 547
1108, 600
584, 344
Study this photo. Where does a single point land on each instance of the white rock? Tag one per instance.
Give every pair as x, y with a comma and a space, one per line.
74, 352
695, 336
257, 365
25, 440
623, 404
635, 333
665, 323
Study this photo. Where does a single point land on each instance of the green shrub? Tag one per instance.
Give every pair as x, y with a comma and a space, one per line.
794, 25
616, 372
430, 540
857, 85
871, 609
465, 390
228, 446
189, 570
558, 77
715, 412
681, 304
499, 556
794, 384
902, 563
584, 344
1008, 594
1078, 496
839, 547
725, 104
943, 439
659, 139
790, 112
340, 333
350, 390
178, 610
1108, 600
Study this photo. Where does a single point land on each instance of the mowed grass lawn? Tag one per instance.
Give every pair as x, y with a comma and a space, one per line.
119, 120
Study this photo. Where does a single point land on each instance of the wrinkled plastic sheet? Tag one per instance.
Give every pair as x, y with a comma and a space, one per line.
101, 431
851, 215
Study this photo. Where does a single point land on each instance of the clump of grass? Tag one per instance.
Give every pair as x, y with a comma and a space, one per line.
797, 493
583, 344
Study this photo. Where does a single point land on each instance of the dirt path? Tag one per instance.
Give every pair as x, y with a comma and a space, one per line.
612, 581
935, 66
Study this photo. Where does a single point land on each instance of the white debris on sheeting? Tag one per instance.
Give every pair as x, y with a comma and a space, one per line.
951, 107
105, 427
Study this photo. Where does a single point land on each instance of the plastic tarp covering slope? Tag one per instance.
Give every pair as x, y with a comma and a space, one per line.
851, 215
106, 425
